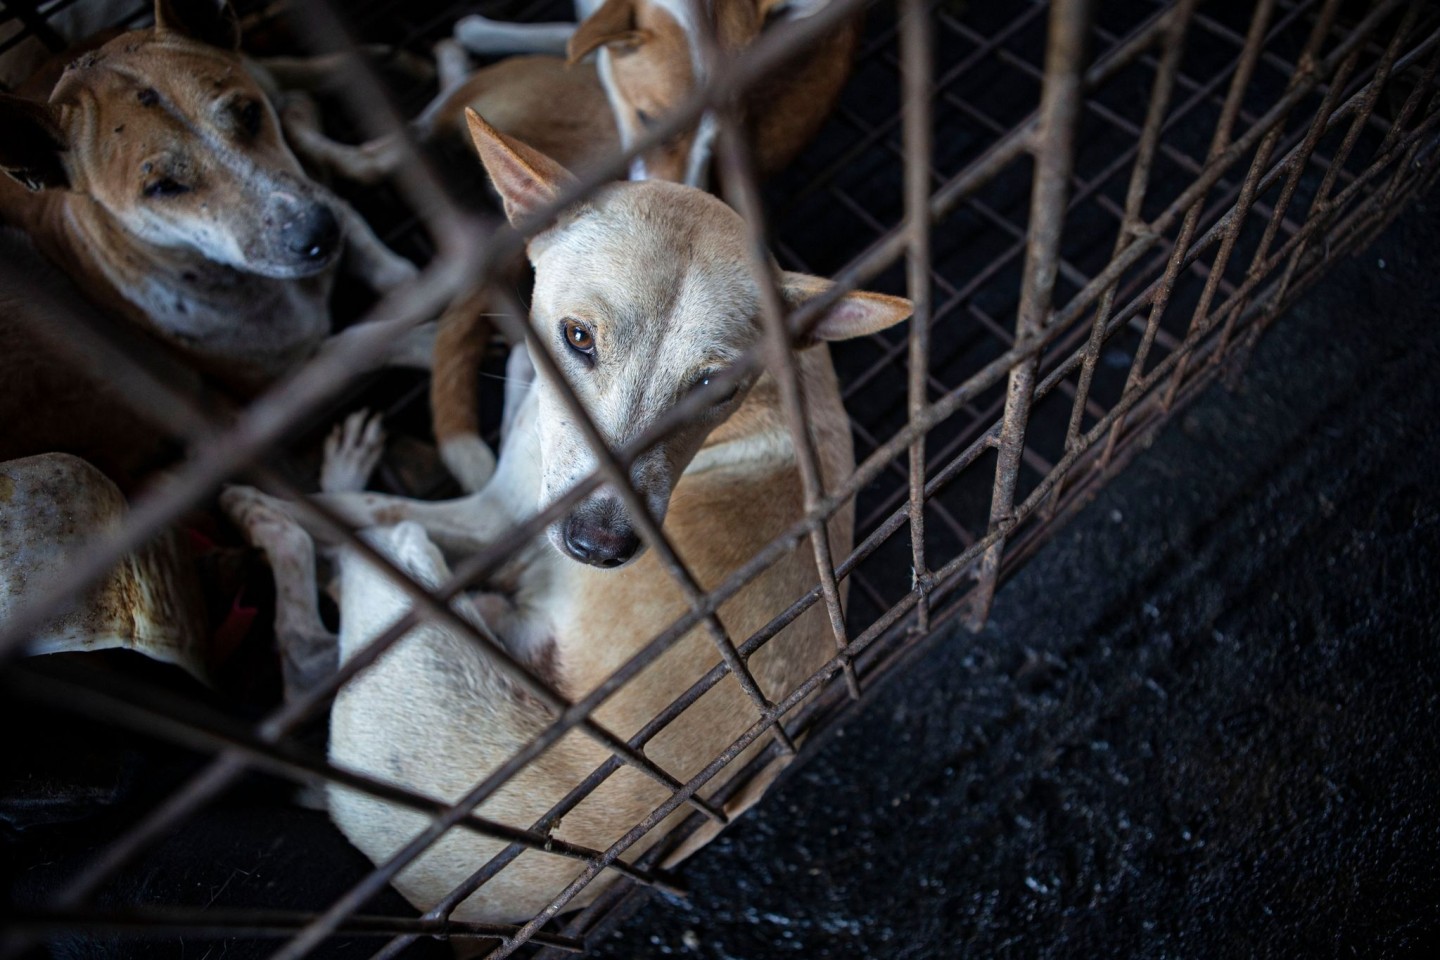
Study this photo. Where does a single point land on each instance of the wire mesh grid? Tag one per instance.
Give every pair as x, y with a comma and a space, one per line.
1097, 209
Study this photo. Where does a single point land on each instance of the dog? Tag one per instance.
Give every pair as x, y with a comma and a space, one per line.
647, 61
643, 294
650, 58
152, 169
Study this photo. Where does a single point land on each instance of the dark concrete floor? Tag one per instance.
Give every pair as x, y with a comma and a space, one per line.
1203, 722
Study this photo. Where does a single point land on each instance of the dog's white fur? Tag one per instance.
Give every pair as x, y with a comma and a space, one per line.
658, 274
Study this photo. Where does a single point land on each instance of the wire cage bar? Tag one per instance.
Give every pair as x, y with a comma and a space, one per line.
1096, 207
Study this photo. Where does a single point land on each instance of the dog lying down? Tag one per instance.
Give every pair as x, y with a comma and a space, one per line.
151, 168
642, 293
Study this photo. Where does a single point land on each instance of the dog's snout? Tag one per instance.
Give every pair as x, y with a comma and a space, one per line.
312, 234
601, 543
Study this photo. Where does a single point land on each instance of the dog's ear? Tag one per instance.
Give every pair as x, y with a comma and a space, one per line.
853, 315
30, 150
209, 21
527, 180
613, 23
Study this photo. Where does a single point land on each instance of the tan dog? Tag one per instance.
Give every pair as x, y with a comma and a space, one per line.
642, 295
650, 59
154, 173
647, 62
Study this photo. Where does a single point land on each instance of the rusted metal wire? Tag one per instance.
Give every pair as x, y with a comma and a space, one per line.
1051, 348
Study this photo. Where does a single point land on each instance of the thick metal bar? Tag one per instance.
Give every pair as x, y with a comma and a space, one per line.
1320, 124
1426, 82
874, 134
1054, 149
1317, 128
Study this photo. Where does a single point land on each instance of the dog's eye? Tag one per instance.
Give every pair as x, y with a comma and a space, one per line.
645, 119
579, 338
165, 187
703, 381
248, 114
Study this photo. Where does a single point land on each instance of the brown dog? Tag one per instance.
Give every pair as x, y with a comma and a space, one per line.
152, 169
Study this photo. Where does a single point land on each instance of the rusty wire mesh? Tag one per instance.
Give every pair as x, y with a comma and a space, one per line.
1097, 209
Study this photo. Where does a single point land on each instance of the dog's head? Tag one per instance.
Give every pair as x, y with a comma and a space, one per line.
167, 131
650, 62
643, 294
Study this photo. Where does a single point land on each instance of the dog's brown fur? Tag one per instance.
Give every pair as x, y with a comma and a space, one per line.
152, 170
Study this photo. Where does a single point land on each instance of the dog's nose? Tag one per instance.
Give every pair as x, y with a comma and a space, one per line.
600, 544
312, 234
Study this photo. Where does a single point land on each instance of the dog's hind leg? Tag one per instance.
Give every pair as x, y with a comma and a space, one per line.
308, 651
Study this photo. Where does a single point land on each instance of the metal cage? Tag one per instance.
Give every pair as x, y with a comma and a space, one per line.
1097, 208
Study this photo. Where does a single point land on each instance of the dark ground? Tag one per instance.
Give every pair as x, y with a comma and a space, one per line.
1203, 722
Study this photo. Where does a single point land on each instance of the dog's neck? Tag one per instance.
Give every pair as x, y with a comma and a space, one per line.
757, 433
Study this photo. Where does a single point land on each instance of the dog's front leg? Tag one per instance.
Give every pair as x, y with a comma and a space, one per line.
462, 526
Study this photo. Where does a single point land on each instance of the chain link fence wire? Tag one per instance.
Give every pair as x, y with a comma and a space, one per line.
1097, 208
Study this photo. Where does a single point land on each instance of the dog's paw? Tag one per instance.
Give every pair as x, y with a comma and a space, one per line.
260, 517
351, 453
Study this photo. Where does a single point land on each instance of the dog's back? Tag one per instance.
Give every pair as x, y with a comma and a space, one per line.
54, 399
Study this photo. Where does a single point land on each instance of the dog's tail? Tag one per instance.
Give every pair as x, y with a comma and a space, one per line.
460, 344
